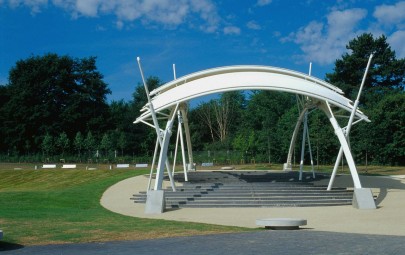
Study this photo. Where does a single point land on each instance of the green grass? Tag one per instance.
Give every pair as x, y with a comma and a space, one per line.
62, 206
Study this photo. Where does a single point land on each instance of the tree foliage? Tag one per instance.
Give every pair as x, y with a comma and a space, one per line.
53, 94
386, 72
381, 141
55, 105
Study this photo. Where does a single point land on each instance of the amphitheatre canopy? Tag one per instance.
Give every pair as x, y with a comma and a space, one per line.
173, 96
245, 77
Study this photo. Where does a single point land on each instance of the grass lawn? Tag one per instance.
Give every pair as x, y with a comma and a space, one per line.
62, 206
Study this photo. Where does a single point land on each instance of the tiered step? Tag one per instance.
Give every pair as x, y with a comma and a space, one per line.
250, 189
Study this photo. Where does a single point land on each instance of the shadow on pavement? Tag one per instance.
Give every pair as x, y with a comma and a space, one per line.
6, 246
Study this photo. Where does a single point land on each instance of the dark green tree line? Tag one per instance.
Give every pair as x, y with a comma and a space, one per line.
56, 105
50, 95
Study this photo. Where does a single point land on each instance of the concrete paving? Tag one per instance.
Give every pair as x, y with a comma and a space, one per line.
286, 242
388, 219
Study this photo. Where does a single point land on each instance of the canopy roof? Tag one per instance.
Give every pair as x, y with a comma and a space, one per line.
246, 77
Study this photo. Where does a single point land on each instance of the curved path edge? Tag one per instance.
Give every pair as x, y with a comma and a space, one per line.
386, 220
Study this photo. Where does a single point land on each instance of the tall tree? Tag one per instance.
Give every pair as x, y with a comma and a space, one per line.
53, 94
90, 143
220, 116
386, 71
381, 100
141, 139
62, 142
78, 143
47, 145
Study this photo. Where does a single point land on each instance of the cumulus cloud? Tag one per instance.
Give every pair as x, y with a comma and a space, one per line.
231, 30
34, 5
263, 2
396, 40
164, 12
253, 25
390, 14
324, 43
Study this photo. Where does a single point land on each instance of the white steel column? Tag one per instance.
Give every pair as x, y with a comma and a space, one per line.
188, 138
310, 152
349, 125
163, 160
167, 132
343, 142
304, 135
183, 154
288, 165
153, 163
175, 148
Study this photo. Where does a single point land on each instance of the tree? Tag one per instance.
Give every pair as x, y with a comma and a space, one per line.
225, 112
47, 144
205, 113
78, 143
53, 94
106, 144
382, 99
122, 142
139, 137
89, 142
62, 142
264, 111
386, 72
220, 115
384, 139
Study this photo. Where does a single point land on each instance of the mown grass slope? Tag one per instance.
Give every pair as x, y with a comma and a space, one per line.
62, 206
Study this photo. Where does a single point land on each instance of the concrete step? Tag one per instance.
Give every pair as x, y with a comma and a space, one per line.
241, 205
250, 189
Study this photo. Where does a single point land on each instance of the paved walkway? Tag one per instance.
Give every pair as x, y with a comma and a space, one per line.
258, 242
388, 219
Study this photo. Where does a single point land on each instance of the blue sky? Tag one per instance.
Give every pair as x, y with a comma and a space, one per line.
193, 34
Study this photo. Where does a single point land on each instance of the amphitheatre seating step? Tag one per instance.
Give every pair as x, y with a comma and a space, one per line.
230, 189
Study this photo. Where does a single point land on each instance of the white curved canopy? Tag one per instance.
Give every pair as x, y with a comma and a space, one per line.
172, 95
245, 77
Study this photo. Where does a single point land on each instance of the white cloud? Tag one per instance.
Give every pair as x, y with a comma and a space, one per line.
396, 40
87, 8
263, 2
163, 12
324, 43
390, 14
34, 5
231, 30
253, 25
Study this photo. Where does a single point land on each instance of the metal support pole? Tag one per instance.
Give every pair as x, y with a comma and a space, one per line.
183, 154
188, 139
153, 163
310, 152
304, 134
175, 150
167, 132
163, 160
349, 125
343, 142
288, 164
